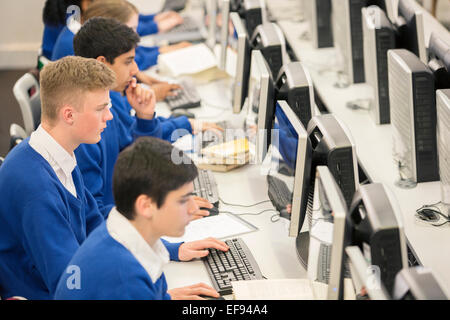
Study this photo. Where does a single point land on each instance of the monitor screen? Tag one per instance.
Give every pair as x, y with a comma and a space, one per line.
291, 154
327, 232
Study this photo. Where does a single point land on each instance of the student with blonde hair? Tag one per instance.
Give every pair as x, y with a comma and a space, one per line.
46, 212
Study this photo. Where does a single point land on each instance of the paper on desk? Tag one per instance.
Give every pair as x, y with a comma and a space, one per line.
279, 289
189, 60
220, 226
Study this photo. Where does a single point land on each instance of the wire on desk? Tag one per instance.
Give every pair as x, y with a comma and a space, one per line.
254, 214
241, 205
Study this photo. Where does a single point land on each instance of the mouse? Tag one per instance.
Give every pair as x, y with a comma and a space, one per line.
182, 112
428, 215
214, 211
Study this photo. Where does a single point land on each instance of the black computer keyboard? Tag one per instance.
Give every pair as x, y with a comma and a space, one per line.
175, 5
205, 186
187, 97
237, 264
278, 193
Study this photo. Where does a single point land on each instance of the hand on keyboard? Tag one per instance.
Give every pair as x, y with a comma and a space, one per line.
193, 292
165, 89
199, 249
199, 126
168, 20
201, 203
142, 100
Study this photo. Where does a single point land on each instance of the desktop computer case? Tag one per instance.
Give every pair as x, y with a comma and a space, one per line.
413, 116
318, 12
348, 37
379, 37
443, 136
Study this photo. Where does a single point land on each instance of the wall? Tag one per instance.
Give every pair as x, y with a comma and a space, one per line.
20, 33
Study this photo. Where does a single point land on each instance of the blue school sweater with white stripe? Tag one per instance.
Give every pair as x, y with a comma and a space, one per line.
41, 223
108, 271
96, 161
145, 57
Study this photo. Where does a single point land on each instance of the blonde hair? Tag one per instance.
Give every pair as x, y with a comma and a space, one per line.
120, 10
66, 80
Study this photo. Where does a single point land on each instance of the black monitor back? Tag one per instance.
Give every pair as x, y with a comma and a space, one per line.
373, 221
294, 85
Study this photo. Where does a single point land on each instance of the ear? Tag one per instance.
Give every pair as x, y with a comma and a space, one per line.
67, 114
101, 59
144, 206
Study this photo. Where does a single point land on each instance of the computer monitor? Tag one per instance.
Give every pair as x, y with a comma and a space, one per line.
294, 84
412, 100
327, 234
269, 39
239, 62
418, 283
348, 37
225, 13
291, 148
439, 61
391, 8
443, 137
211, 7
379, 37
318, 13
332, 146
410, 24
261, 101
253, 12
363, 275
375, 226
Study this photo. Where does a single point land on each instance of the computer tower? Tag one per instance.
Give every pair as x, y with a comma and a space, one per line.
443, 137
253, 12
412, 99
379, 37
417, 283
318, 13
333, 146
269, 39
348, 37
294, 85
376, 227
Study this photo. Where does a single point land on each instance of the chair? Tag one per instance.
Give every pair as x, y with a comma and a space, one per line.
26, 90
17, 135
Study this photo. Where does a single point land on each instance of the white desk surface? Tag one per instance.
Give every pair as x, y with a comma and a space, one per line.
374, 151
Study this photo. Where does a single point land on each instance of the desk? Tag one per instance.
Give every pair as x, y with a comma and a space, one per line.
374, 151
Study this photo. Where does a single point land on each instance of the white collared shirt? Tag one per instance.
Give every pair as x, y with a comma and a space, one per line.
152, 258
59, 159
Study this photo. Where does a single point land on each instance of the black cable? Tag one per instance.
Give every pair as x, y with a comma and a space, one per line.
241, 205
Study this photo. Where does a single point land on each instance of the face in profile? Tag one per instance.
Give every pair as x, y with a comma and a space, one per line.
125, 69
175, 213
90, 119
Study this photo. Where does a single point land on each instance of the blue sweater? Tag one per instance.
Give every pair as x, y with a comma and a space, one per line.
147, 25
41, 224
49, 38
109, 272
96, 161
145, 56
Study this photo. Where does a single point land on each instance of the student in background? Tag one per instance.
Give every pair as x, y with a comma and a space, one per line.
46, 212
116, 49
124, 258
146, 56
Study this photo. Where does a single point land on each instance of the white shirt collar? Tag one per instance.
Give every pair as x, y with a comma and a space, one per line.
52, 151
152, 258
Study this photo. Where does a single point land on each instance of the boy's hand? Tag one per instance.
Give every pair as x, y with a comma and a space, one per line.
173, 47
142, 100
164, 89
193, 292
199, 126
201, 203
168, 20
199, 248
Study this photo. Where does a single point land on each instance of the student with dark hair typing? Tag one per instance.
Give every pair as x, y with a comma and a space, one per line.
124, 257
113, 43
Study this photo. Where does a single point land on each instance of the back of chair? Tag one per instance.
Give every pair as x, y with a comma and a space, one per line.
26, 90
17, 135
